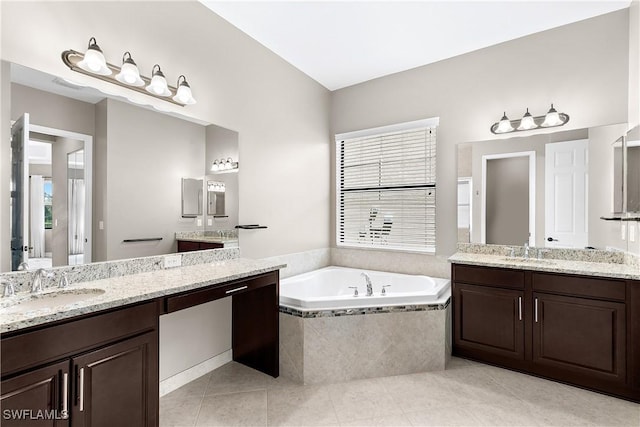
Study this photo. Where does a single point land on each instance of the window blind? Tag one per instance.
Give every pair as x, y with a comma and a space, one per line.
387, 190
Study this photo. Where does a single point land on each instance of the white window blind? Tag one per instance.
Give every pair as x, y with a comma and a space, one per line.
387, 190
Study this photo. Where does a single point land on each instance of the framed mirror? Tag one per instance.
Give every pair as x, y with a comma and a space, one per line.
632, 143
191, 197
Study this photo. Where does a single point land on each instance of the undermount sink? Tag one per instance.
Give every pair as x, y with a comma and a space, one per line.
48, 300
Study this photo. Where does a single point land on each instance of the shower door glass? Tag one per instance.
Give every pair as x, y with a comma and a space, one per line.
76, 206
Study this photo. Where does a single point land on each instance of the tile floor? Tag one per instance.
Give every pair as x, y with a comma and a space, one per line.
466, 394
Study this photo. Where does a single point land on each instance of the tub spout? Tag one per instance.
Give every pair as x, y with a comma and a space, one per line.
369, 285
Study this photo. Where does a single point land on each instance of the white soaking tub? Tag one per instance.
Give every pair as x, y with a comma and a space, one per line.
331, 288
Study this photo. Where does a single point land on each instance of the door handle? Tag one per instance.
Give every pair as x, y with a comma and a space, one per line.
81, 390
519, 308
535, 313
551, 239
64, 410
230, 291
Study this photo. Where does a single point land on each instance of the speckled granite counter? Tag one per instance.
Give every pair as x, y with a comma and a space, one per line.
603, 269
210, 239
128, 289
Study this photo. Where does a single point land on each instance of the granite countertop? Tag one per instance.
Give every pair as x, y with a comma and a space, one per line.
208, 239
120, 291
603, 269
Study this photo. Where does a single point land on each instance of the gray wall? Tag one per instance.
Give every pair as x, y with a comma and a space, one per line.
588, 68
282, 115
507, 201
5, 163
147, 154
222, 143
634, 64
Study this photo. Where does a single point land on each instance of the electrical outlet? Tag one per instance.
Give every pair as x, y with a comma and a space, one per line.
209, 222
199, 222
632, 232
623, 231
101, 225
172, 261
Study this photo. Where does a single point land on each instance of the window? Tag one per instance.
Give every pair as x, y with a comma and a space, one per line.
48, 204
386, 187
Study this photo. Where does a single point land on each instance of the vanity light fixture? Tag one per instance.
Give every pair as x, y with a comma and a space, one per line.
129, 73
528, 122
92, 63
224, 165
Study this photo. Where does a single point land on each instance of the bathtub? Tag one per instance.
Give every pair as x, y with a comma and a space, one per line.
329, 289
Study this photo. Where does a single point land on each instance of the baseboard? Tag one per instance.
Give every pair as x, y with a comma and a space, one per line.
188, 375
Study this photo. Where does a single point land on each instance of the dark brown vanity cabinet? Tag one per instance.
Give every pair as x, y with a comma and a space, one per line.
97, 370
577, 329
188, 245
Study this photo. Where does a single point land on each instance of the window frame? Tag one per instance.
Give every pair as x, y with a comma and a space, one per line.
400, 127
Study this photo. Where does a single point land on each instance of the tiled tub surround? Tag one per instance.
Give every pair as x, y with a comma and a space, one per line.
612, 264
146, 279
337, 344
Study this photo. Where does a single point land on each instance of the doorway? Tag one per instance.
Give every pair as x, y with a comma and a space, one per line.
50, 197
508, 198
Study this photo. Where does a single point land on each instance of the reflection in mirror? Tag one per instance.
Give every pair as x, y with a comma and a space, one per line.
191, 197
618, 176
122, 201
520, 189
216, 198
632, 142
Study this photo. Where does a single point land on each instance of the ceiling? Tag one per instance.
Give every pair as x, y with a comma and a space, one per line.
342, 43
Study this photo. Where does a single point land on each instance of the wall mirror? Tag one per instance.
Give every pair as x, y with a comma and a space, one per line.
534, 189
191, 197
619, 175
109, 171
632, 142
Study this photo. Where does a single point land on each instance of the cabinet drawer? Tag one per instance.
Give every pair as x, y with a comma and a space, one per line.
189, 299
489, 276
591, 287
29, 349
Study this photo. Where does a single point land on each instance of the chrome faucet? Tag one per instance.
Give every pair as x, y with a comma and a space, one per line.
23, 266
9, 289
525, 255
64, 280
40, 274
369, 286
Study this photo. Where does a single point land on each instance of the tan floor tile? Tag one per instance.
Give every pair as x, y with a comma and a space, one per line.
511, 413
399, 420
299, 405
235, 377
179, 411
449, 416
235, 409
417, 392
362, 399
195, 388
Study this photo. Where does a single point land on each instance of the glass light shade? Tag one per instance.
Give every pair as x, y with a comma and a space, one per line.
94, 61
215, 166
504, 125
158, 85
527, 122
183, 94
552, 118
129, 73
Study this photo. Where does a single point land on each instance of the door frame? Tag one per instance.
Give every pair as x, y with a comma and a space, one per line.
88, 162
532, 192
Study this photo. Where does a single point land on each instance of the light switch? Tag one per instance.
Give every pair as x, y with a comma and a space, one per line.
199, 222
209, 222
101, 225
632, 232
623, 231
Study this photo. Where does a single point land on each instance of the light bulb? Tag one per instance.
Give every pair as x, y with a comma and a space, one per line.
527, 122
93, 60
504, 125
552, 118
215, 166
158, 85
183, 94
129, 73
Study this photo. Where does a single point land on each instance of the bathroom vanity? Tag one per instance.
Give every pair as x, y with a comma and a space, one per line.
571, 321
96, 363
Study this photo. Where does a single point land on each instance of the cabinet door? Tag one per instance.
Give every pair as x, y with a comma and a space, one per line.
488, 321
579, 339
115, 385
41, 393
187, 246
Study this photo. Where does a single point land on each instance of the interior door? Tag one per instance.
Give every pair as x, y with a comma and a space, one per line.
19, 191
566, 191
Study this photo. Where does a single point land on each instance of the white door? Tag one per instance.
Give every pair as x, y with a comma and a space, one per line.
19, 191
566, 190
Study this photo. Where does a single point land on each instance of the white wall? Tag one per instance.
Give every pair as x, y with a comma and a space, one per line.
5, 163
634, 64
580, 67
280, 113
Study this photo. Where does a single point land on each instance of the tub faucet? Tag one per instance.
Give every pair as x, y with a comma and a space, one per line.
369, 286
36, 285
525, 255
